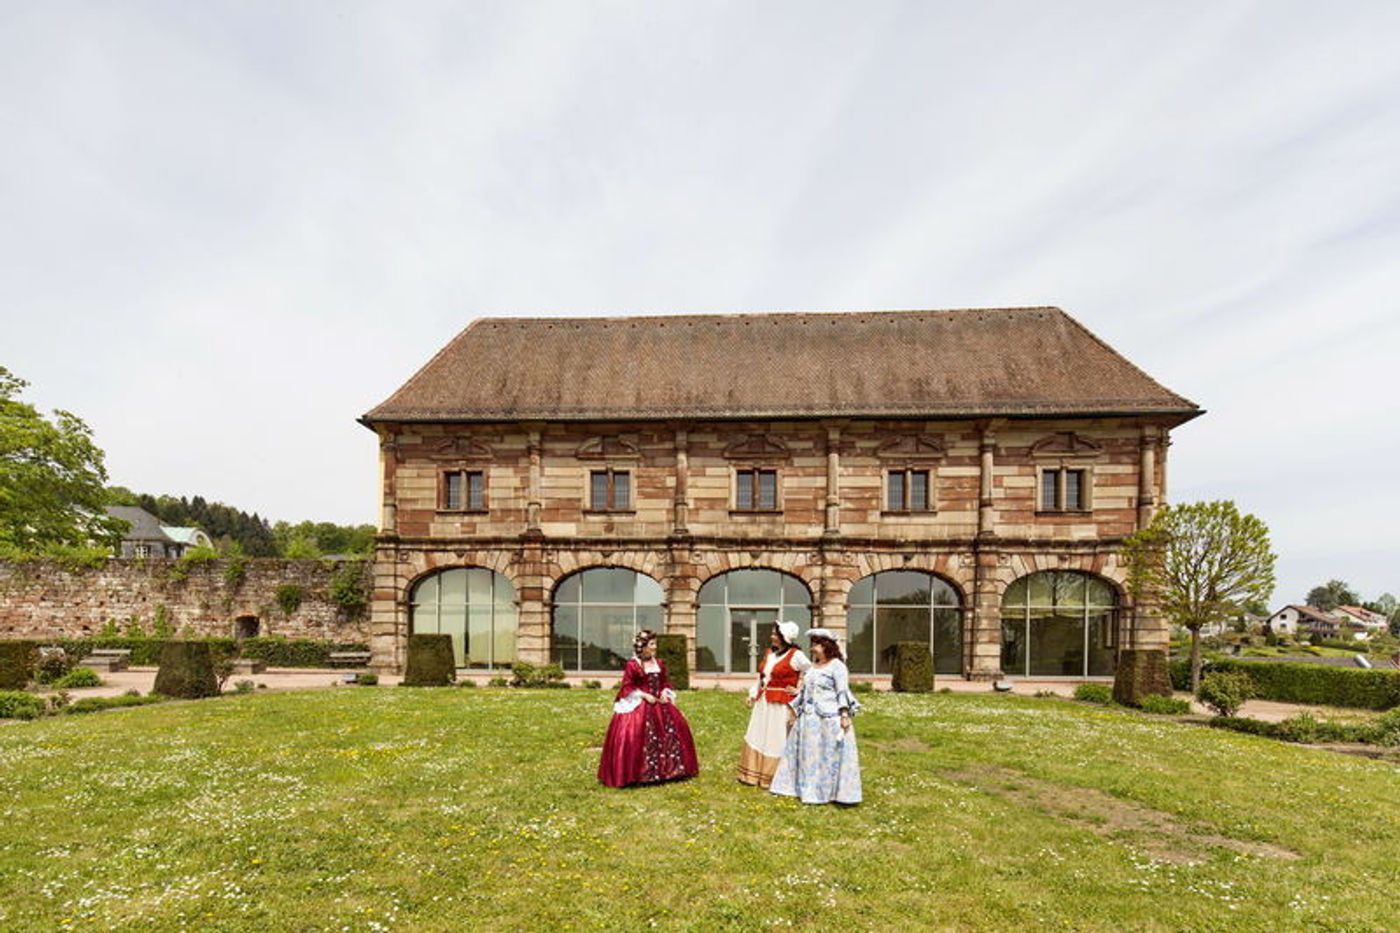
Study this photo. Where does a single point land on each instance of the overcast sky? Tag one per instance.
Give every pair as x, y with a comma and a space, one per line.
227, 230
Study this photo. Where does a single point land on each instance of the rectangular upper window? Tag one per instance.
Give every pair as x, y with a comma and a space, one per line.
907, 491
756, 490
464, 490
1064, 490
610, 490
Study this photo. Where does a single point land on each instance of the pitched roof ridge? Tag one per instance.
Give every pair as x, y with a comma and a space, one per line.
1133, 366
724, 316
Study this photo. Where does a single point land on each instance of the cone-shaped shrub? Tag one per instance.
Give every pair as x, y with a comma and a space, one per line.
430, 661
1142, 672
186, 671
913, 667
671, 649
16, 664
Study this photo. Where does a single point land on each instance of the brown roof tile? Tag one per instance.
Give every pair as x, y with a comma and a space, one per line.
962, 363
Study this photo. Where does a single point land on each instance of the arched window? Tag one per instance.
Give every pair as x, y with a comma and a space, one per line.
903, 605
597, 613
737, 611
476, 607
1059, 623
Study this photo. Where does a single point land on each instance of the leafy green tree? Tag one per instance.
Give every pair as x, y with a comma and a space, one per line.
313, 539
52, 479
1201, 562
1332, 594
1386, 604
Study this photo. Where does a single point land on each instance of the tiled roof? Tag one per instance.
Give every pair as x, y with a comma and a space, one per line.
963, 363
144, 525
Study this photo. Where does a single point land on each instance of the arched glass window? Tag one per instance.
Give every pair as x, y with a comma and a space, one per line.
737, 611
1059, 623
903, 605
596, 615
476, 607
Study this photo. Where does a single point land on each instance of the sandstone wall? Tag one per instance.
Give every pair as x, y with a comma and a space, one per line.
47, 600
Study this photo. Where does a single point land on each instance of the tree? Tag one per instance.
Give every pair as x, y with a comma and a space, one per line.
1386, 604
1332, 594
52, 479
1201, 563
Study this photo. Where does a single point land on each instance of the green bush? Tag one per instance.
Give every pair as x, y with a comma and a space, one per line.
593, 684
52, 664
912, 667
300, 652
862, 686
348, 589
79, 677
1094, 693
289, 597
186, 671
1226, 691
16, 704
1302, 728
672, 651
97, 704
498, 682
430, 661
370, 679
244, 686
1164, 706
1387, 728
528, 675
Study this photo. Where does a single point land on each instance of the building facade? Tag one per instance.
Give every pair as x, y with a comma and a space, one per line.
963, 478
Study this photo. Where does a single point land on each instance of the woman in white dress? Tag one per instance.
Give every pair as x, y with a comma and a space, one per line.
820, 762
771, 699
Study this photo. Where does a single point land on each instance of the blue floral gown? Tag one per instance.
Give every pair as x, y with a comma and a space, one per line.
820, 762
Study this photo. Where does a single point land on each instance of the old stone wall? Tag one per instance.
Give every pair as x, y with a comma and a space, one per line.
48, 600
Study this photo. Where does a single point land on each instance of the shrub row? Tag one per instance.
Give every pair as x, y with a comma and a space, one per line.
16, 704
1304, 728
1305, 683
275, 650
97, 704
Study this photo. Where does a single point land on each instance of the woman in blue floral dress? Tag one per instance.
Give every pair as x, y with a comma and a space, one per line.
820, 762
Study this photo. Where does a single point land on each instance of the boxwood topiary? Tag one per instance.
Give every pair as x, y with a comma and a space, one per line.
186, 671
430, 662
672, 651
913, 667
1142, 672
16, 664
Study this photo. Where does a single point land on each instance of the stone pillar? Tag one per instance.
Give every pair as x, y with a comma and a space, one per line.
534, 497
833, 483
986, 514
681, 501
532, 587
1147, 476
388, 493
984, 624
388, 609
831, 596
682, 592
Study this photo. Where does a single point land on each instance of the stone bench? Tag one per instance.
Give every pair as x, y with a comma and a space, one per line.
249, 665
107, 662
349, 658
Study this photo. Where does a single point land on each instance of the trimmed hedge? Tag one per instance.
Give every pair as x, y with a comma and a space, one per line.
430, 661
1319, 684
672, 652
274, 649
16, 664
912, 667
186, 671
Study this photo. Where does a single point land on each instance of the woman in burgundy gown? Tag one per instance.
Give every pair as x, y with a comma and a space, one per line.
648, 739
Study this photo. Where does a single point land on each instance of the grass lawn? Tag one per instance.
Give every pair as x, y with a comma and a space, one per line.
449, 809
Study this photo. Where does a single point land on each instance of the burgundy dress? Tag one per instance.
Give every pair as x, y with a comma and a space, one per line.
646, 742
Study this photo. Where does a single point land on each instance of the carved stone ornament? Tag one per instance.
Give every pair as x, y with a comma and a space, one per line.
608, 447
1066, 444
757, 447
911, 447
461, 448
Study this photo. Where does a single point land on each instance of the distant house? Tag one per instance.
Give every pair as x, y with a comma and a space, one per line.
1370, 621
147, 537
1290, 620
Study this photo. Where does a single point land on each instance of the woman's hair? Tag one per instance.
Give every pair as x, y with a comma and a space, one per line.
830, 649
640, 642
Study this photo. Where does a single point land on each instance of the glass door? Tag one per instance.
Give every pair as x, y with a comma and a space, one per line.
748, 635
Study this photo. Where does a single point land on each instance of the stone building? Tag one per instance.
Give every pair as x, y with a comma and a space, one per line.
961, 477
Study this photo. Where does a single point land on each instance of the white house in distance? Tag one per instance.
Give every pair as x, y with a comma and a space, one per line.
1291, 619
1370, 621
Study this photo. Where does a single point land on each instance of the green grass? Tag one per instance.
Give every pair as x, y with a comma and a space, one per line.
449, 809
